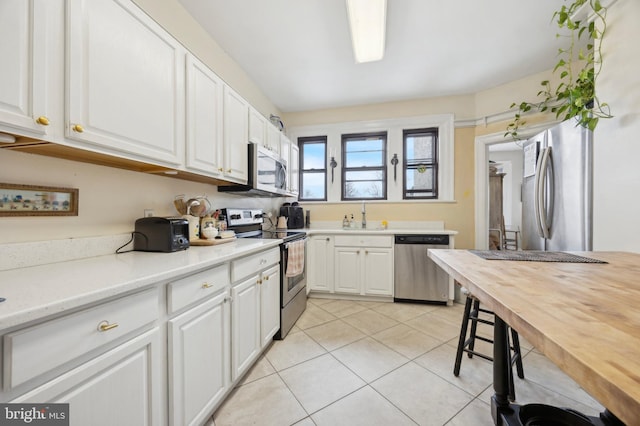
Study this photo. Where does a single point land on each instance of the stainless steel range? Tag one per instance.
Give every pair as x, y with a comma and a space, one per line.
248, 223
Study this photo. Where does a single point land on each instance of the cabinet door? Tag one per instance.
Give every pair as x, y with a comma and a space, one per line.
347, 270
285, 152
320, 263
199, 369
125, 82
245, 325
269, 304
204, 119
378, 271
257, 128
294, 169
29, 30
236, 136
273, 139
119, 387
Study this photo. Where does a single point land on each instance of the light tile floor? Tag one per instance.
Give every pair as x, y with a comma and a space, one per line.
372, 363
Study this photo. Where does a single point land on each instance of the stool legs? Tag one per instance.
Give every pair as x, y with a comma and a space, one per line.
463, 336
471, 314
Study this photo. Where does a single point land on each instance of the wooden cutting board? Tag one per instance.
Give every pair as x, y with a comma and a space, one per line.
211, 242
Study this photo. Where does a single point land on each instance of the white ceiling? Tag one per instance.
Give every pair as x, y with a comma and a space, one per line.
299, 51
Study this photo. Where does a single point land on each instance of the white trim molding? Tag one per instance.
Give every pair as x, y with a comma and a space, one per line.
394, 128
481, 150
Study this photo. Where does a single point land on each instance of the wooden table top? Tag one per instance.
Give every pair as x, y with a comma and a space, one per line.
585, 317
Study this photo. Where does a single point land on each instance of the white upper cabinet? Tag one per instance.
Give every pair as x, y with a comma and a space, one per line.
285, 152
273, 139
32, 37
236, 136
257, 128
125, 82
294, 169
204, 119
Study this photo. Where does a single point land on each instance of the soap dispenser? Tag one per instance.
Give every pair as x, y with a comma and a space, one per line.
345, 222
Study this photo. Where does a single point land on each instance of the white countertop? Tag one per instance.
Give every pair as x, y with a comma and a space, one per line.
380, 231
375, 228
37, 292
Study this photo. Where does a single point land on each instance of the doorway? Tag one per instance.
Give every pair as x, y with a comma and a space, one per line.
482, 157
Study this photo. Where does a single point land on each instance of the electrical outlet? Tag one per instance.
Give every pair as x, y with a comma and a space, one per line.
148, 212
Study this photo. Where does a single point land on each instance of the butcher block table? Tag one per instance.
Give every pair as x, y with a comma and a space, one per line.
583, 317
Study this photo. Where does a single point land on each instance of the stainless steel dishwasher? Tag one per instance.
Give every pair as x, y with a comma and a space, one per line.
416, 276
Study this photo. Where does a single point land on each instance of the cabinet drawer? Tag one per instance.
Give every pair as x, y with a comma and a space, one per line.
363, 240
251, 264
73, 335
195, 287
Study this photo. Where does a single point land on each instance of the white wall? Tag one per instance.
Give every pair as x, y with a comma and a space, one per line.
617, 140
110, 199
176, 20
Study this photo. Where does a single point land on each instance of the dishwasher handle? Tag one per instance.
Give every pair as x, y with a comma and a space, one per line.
431, 239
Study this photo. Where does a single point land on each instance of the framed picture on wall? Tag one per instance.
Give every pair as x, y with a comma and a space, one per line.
32, 200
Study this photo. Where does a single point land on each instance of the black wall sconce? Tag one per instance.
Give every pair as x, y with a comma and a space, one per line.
394, 163
333, 165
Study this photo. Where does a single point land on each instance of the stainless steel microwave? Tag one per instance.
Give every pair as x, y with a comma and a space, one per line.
267, 174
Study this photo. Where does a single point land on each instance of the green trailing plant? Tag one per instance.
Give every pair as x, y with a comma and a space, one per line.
578, 66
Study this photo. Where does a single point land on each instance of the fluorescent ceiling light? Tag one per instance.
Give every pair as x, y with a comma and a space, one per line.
368, 21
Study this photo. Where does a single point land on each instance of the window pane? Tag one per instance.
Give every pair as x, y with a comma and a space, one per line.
363, 175
314, 186
314, 156
420, 147
420, 179
364, 153
420, 163
363, 189
313, 168
364, 171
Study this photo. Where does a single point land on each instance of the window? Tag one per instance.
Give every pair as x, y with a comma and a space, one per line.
364, 170
313, 168
420, 148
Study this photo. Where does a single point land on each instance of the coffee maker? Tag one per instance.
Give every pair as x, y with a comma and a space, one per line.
294, 214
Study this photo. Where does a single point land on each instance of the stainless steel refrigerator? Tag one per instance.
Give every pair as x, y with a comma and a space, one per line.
557, 189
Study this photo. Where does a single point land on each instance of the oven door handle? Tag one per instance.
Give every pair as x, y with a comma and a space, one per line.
286, 245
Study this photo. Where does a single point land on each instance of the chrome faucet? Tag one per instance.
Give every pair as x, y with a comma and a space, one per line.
364, 216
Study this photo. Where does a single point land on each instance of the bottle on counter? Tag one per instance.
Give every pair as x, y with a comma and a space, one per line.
345, 222
352, 222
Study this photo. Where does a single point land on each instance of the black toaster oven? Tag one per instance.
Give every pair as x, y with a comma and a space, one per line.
164, 234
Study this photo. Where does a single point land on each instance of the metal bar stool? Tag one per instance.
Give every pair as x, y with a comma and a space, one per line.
472, 312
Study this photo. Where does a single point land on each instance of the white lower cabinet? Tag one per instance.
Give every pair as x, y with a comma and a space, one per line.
108, 360
199, 368
245, 325
320, 263
348, 269
255, 307
269, 304
120, 387
378, 271
364, 265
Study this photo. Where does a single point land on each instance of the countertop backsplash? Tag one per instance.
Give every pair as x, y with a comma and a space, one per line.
22, 255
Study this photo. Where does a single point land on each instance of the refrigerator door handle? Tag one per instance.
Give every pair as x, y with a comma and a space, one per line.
544, 204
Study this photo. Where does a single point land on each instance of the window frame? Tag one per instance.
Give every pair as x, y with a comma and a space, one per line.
302, 141
334, 128
344, 169
435, 163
